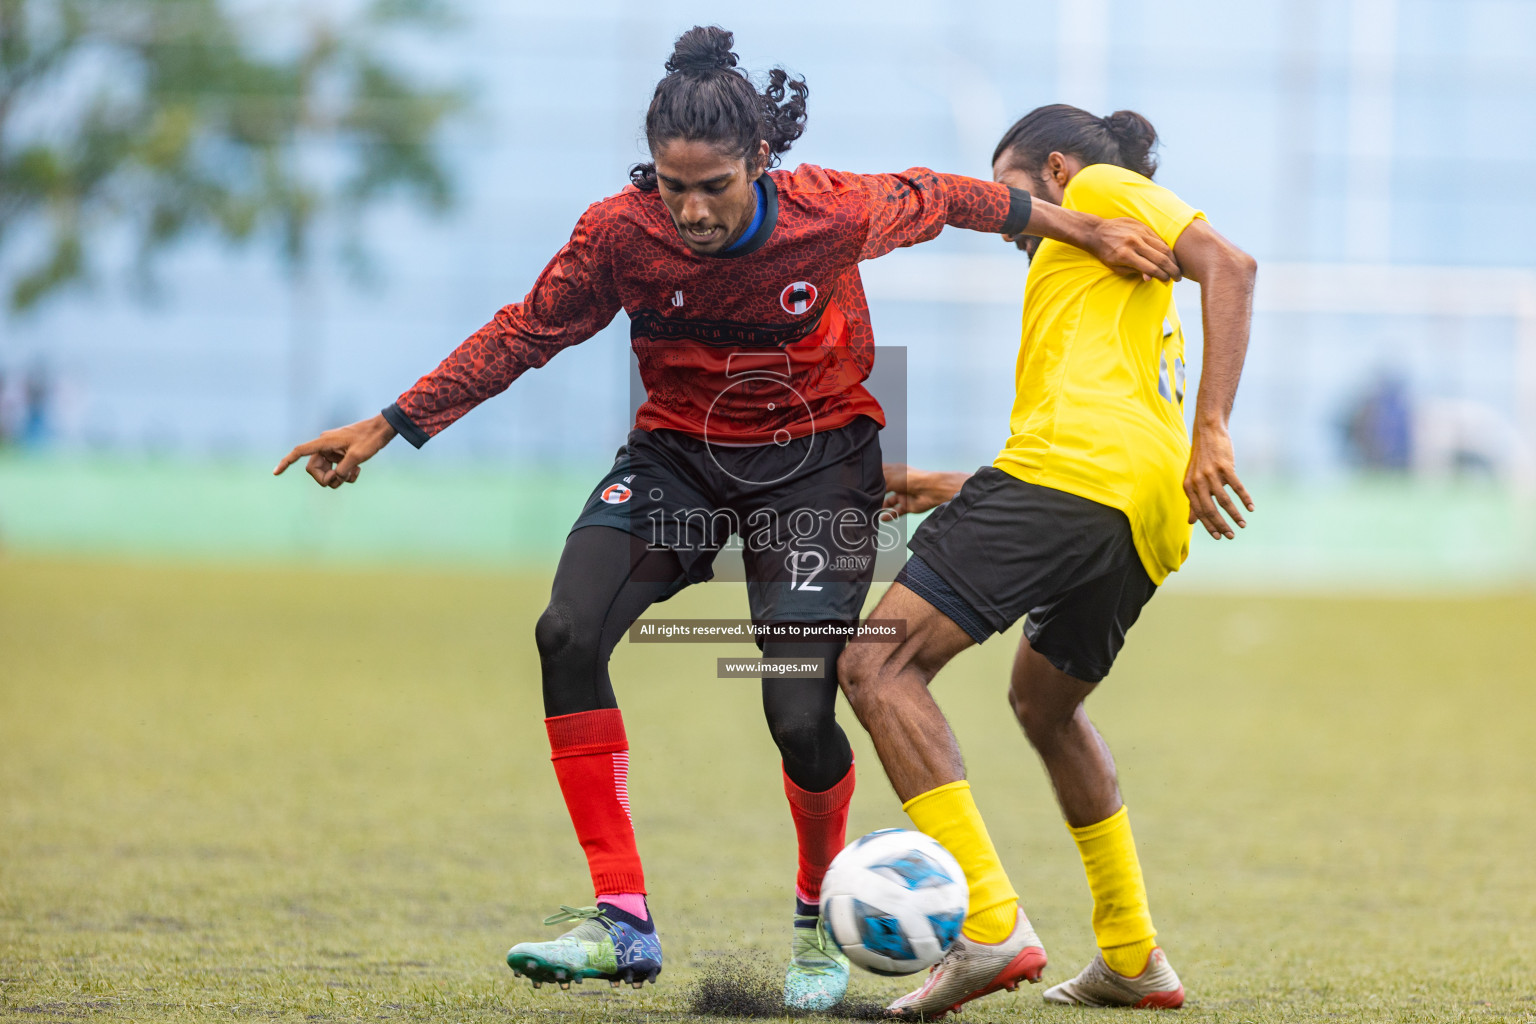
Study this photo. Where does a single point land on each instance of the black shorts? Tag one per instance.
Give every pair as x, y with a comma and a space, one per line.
1004, 548
806, 512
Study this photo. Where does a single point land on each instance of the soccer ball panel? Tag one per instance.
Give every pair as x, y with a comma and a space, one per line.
894, 901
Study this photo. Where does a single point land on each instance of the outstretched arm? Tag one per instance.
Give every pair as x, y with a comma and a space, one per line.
571, 301
1226, 275
915, 205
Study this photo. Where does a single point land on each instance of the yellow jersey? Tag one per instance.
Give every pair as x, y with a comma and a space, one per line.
1099, 409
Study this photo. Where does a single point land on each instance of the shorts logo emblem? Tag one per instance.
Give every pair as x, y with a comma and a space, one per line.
798, 297
616, 494
677, 297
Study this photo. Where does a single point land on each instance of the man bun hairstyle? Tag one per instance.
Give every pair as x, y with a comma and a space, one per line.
705, 97
1124, 138
1137, 138
702, 50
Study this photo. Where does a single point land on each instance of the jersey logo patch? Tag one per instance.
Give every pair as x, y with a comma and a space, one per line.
616, 494
798, 297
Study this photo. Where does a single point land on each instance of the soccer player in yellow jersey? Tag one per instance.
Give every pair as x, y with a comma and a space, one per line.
1083, 513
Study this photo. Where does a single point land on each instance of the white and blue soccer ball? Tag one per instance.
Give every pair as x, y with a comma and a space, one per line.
894, 900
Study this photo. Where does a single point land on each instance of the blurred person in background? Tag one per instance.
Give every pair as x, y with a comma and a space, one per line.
36, 406
722, 265
1378, 430
1084, 512
6, 410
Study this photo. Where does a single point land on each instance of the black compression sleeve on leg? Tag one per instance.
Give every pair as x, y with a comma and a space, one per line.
600, 589
802, 715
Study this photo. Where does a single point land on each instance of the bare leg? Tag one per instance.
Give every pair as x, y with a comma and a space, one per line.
1049, 705
887, 685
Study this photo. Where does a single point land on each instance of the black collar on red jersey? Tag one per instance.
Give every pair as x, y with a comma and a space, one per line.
770, 218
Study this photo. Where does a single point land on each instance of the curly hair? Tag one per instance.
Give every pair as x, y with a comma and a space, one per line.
705, 97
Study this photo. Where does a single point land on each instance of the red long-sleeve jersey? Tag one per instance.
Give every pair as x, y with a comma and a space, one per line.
767, 342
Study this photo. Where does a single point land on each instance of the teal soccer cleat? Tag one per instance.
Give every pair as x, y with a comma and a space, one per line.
606, 943
817, 977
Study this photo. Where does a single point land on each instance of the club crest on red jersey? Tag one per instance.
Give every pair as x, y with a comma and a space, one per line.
798, 297
616, 494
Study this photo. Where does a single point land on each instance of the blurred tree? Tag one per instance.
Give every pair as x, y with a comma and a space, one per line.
151, 121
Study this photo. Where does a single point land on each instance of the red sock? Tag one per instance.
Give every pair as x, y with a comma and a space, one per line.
821, 826
591, 756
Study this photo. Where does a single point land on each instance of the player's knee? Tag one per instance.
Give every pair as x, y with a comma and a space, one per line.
856, 668
1021, 707
1038, 726
556, 634
797, 736
1042, 721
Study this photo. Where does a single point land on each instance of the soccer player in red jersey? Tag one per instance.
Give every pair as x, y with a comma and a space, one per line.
753, 337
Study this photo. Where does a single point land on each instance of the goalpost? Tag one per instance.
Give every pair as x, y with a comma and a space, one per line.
1283, 288
1320, 332
1477, 293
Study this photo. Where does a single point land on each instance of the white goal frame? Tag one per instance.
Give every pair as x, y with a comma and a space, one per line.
1292, 288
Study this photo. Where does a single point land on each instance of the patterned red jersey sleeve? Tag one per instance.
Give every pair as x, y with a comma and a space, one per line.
914, 206
572, 300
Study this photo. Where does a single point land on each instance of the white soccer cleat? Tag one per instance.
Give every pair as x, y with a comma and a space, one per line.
972, 969
1156, 987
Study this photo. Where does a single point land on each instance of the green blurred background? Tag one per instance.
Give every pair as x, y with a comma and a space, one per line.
1372, 534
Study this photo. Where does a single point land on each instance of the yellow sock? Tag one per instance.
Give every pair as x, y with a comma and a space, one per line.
949, 815
1129, 960
1122, 922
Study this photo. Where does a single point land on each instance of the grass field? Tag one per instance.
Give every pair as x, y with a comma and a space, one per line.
286, 795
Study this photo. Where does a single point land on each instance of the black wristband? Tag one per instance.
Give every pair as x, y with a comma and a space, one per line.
403, 425
1019, 206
